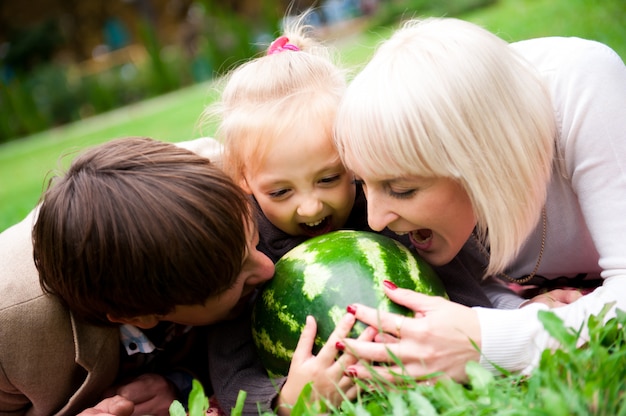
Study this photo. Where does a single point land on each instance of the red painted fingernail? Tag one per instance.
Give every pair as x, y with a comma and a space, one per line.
389, 284
340, 346
351, 309
350, 372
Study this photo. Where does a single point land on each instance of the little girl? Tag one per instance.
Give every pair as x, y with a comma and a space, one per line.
276, 121
276, 118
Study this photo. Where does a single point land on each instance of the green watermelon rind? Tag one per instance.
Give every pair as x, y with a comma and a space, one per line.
276, 339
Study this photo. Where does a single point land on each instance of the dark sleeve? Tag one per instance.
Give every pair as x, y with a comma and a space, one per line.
234, 365
357, 220
461, 278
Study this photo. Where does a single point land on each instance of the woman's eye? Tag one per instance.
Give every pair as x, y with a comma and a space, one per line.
402, 194
330, 179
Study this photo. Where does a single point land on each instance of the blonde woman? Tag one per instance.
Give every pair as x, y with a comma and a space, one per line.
512, 154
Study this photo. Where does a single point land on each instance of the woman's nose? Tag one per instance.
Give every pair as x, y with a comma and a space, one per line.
378, 214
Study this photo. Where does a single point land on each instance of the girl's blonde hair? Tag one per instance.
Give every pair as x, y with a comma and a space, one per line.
272, 96
446, 98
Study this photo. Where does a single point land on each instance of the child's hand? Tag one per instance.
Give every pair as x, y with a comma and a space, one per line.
324, 371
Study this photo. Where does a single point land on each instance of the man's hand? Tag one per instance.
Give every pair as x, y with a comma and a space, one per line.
113, 406
151, 394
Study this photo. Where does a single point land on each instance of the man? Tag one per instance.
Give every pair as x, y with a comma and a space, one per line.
137, 248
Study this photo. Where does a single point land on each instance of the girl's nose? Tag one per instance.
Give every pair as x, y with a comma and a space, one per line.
310, 207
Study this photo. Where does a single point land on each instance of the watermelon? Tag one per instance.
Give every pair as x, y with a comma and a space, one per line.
322, 276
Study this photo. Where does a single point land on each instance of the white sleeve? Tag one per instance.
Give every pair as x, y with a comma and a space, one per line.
204, 146
500, 295
588, 84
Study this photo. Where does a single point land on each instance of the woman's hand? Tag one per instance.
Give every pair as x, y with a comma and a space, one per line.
325, 371
439, 339
555, 298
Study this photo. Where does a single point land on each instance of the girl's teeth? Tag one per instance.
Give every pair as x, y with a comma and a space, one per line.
313, 224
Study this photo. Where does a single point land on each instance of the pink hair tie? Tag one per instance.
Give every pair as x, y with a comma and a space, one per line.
280, 44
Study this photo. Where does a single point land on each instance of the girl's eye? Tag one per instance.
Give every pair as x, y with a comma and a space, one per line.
278, 194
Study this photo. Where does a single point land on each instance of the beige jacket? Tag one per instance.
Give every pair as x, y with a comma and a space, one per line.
50, 364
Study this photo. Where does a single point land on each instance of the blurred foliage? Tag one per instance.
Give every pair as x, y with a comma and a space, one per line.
216, 38
37, 97
32, 46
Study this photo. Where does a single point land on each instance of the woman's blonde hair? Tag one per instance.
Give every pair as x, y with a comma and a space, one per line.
446, 98
273, 96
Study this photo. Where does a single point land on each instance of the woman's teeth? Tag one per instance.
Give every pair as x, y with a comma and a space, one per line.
422, 236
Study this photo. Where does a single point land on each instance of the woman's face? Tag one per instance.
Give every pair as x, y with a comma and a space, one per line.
435, 212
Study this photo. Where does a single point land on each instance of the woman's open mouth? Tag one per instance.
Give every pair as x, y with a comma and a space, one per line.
421, 239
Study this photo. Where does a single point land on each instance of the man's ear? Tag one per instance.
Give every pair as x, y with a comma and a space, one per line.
143, 321
243, 183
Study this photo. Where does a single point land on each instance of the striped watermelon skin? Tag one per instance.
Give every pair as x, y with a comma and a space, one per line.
322, 276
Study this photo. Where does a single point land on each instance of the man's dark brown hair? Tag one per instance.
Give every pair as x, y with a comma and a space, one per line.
137, 227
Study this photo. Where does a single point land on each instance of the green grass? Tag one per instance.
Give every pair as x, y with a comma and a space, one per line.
571, 380
24, 163
601, 20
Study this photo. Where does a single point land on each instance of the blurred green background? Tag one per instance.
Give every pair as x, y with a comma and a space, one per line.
26, 161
